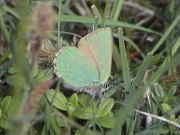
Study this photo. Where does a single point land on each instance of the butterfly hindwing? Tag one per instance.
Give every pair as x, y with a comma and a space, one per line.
75, 68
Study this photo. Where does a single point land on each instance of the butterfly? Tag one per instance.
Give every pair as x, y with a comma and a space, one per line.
86, 67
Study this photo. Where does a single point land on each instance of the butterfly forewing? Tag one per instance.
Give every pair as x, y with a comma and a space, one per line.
97, 46
75, 68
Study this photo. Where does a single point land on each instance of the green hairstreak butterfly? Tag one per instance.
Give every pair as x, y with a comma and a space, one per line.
88, 66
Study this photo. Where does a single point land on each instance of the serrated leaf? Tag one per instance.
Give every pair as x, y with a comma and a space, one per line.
59, 100
72, 103
105, 107
107, 122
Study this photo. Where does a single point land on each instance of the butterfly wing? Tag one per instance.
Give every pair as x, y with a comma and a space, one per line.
76, 69
97, 46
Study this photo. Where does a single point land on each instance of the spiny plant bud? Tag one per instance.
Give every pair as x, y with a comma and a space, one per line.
43, 19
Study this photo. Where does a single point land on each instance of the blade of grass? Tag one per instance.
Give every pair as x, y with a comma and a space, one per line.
116, 9
59, 23
6, 35
141, 72
20, 46
91, 20
124, 61
116, 58
20, 62
176, 46
12, 11
64, 7
159, 72
131, 129
105, 11
4, 30
130, 26
163, 38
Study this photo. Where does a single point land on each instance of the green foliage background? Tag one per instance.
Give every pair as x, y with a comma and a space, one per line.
146, 99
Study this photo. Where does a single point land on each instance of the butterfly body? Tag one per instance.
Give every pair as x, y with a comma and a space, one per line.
87, 67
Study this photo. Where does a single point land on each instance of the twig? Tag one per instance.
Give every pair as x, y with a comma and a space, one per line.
159, 117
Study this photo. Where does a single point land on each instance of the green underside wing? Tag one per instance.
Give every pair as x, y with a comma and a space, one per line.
89, 64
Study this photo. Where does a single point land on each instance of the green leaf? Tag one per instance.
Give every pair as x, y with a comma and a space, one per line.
116, 9
105, 107
56, 123
59, 100
44, 75
107, 122
83, 112
116, 57
72, 103
12, 70
168, 31
166, 107
110, 114
84, 100
59, 121
11, 11
172, 91
4, 123
87, 132
124, 61
141, 72
35, 69
158, 90
13, 79
4, 104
